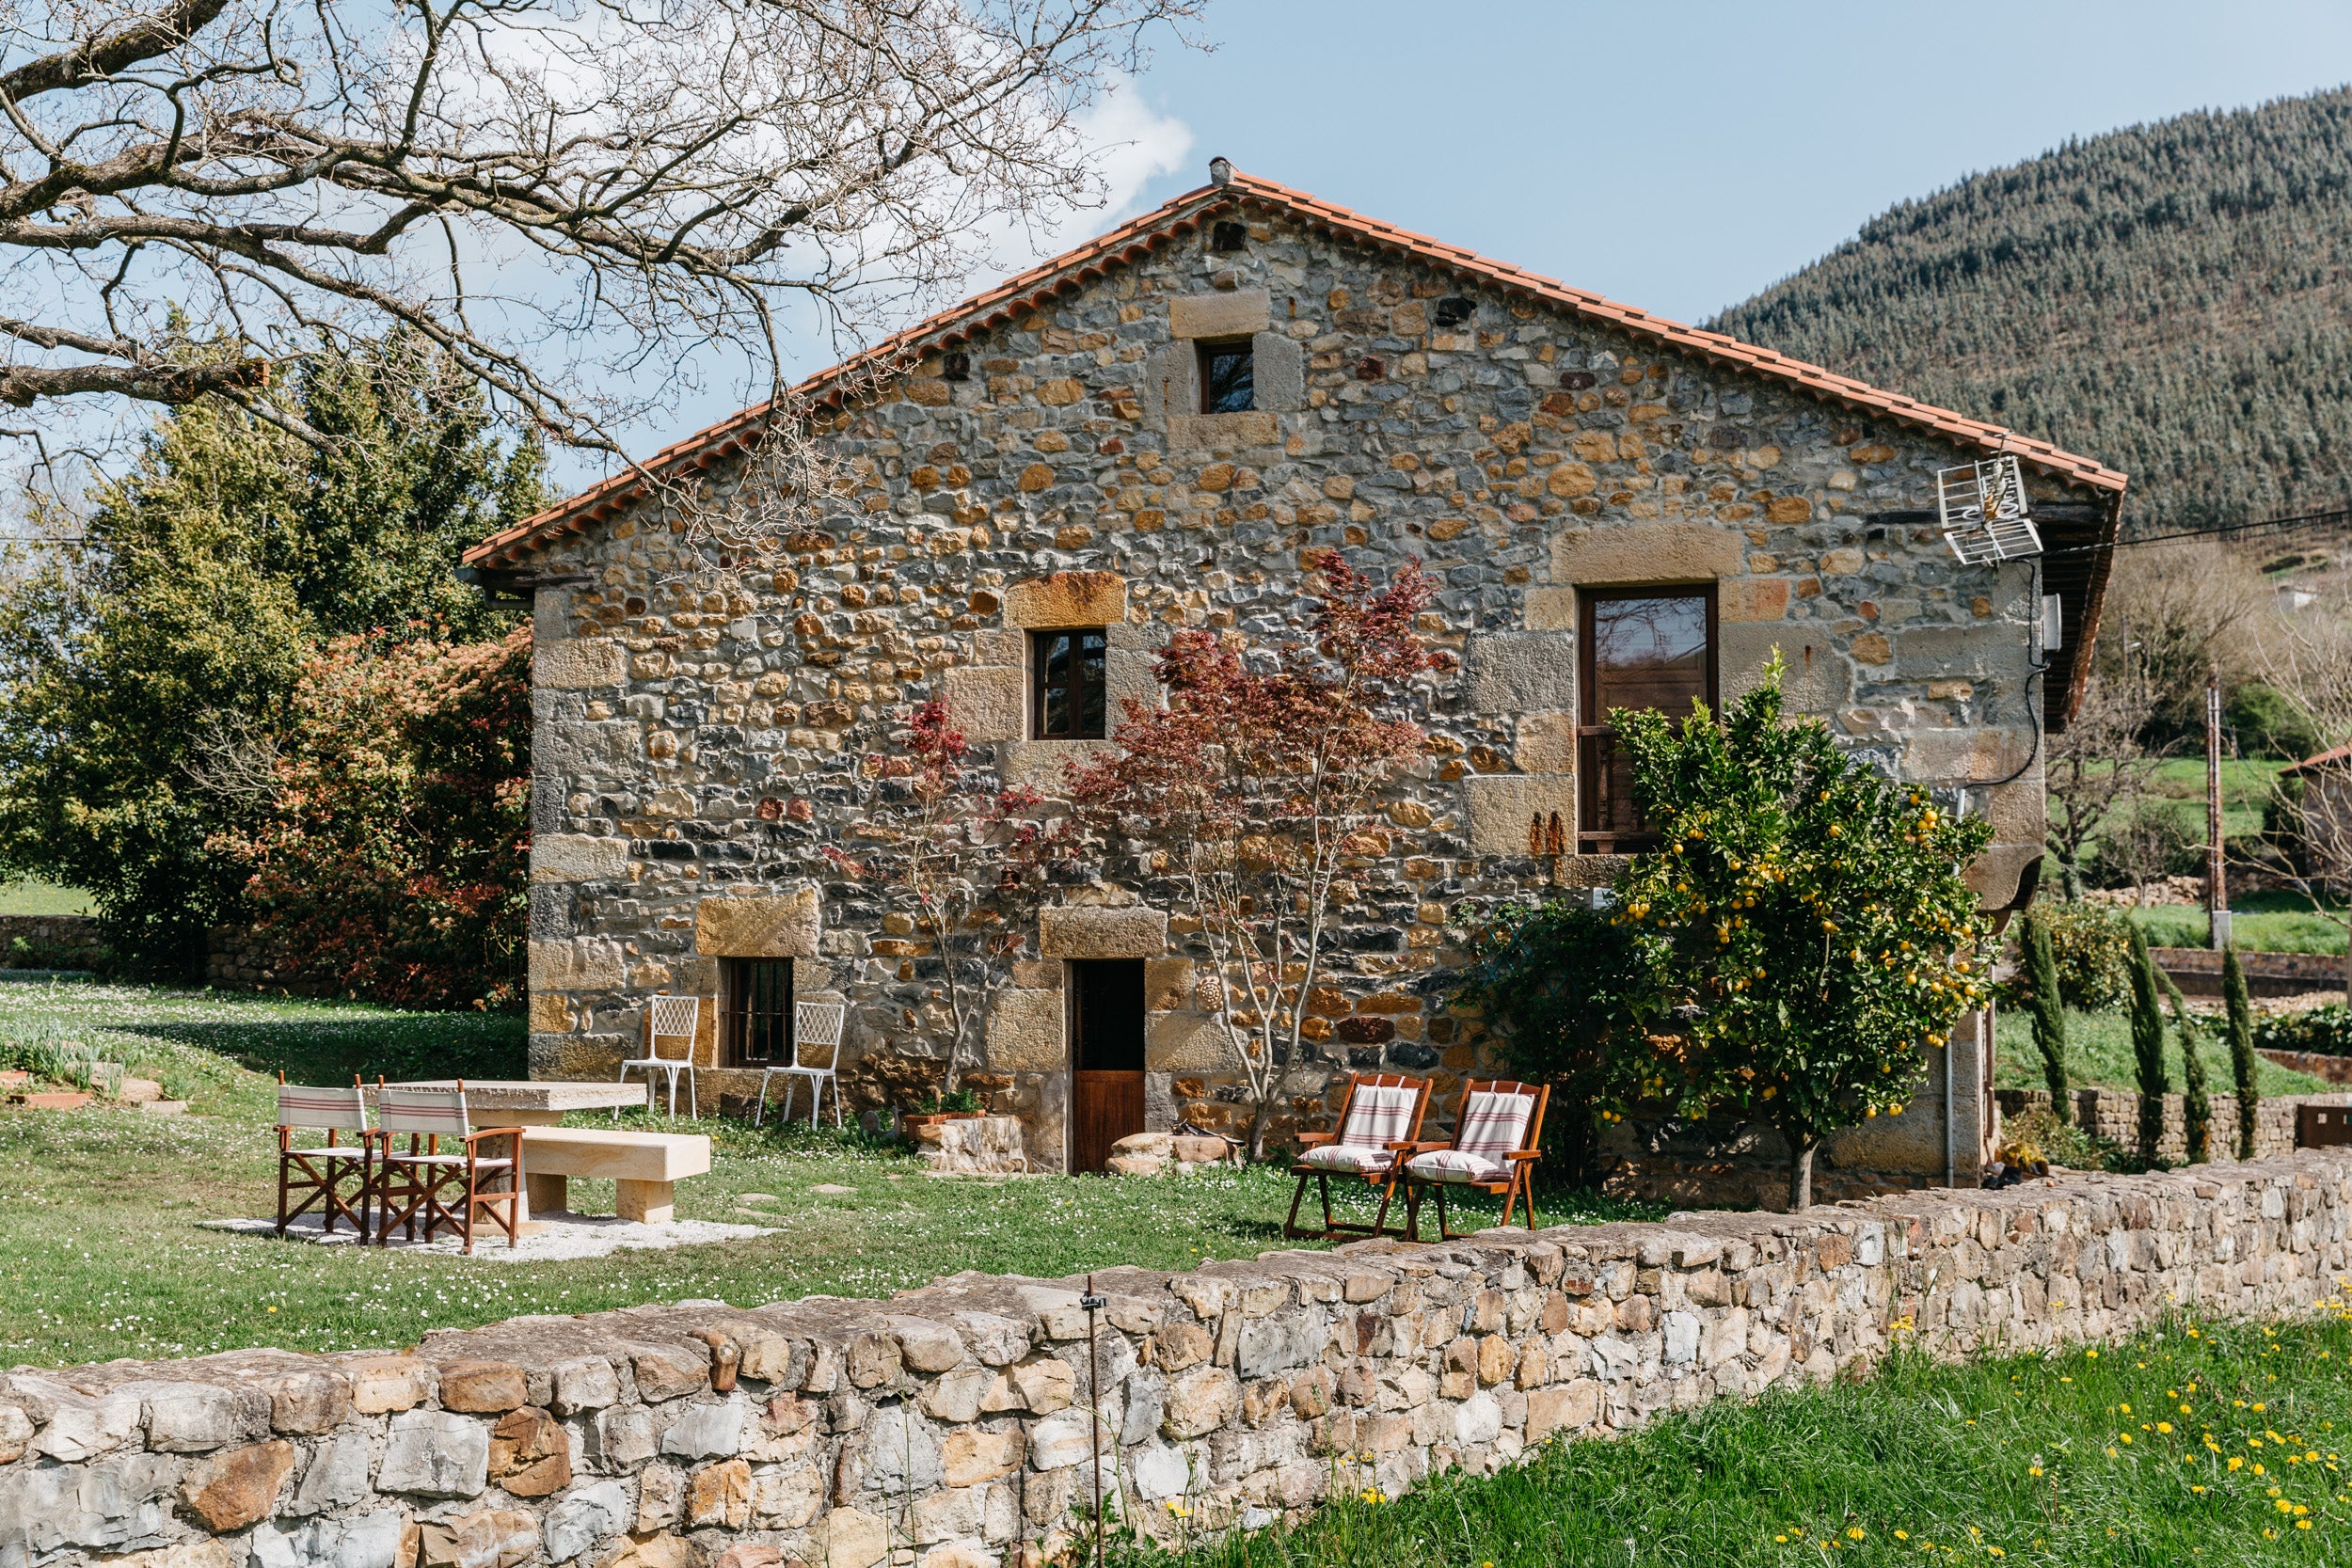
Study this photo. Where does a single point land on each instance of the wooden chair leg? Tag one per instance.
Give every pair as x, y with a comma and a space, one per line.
1290, 1225
1412, 1210
1387, 1195
1444, 1232
1330, 1227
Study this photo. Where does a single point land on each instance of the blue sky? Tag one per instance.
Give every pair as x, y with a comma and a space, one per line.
1678, 158
1681, 157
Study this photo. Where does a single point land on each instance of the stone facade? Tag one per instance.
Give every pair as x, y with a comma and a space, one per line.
955, 1427
699, 735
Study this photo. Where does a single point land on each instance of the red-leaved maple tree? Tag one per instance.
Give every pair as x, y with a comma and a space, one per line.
1256, 786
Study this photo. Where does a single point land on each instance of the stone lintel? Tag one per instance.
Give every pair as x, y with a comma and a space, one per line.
759, 925
1645, 553
1132, 932
1067, 599
1226, 313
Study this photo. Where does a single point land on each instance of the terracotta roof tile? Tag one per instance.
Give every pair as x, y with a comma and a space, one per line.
1185, 212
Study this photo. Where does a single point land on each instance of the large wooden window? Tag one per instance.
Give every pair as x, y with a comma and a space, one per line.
1642, 649
1228, 379
756, 1011
1067, 700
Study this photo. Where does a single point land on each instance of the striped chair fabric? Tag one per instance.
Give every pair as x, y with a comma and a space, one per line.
307, 1106
1376, 1117
439, 1113
1493, 1126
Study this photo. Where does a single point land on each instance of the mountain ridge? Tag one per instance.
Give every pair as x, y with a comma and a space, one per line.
2172, 298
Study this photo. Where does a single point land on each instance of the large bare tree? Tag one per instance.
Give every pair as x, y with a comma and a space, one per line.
567, 197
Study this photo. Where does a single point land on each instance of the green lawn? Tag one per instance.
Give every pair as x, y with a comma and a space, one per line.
2259, 922
42, 898
2099, 1055
2059, 1461
102, 1253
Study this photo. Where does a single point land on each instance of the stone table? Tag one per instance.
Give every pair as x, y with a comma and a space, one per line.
530, 1102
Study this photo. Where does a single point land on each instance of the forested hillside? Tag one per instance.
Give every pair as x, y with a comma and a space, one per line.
2171, 299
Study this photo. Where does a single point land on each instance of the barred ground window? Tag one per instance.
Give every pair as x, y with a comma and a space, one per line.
756, 1011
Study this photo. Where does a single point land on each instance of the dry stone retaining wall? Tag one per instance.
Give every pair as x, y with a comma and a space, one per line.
949, 1428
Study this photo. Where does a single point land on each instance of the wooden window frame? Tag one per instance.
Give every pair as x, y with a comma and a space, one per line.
736, 1017
1204, 348
1038, 639
1594, 737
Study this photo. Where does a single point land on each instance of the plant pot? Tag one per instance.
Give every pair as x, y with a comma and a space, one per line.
925, 1127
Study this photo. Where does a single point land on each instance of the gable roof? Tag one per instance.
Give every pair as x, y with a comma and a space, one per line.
2079, 576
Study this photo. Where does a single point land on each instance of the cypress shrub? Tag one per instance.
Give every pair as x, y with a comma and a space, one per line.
2196, 1105
2147, 1045
2241, 1009
2049, 1013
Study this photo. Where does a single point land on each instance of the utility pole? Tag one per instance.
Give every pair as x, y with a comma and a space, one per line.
2217, 890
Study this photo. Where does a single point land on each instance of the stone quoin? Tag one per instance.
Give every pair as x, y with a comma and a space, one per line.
1042, 458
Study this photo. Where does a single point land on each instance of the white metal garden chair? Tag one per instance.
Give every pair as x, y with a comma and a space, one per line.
814, 1025
673, 1019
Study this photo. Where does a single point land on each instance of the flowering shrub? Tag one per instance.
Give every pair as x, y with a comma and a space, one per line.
2094, 947
393, 859
2326, 1030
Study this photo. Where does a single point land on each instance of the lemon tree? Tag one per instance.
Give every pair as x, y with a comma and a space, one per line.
1801, 942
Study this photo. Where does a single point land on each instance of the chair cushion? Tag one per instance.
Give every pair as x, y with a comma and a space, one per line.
348, 1151
1346, 1157
1455, 1166
446, 1159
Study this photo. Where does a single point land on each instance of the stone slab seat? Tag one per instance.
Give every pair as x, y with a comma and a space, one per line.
645, 1167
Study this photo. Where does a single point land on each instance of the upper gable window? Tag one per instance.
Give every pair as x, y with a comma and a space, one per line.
1227, 237
1228, 379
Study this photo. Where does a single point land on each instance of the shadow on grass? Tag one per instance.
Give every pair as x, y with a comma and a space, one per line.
400, 1046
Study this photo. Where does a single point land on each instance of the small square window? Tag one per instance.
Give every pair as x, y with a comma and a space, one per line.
1067, 701
1227, 378
1227, 237
756, 1011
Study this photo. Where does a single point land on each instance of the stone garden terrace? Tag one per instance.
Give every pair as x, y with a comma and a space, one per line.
949, 1427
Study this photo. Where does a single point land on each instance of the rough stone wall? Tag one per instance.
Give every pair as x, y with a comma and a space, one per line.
2114, 1114
51, 941
954, 1427
700, 736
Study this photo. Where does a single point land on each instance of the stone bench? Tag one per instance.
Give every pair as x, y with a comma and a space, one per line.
645, 1167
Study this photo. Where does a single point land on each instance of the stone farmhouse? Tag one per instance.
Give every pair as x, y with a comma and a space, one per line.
1166, 427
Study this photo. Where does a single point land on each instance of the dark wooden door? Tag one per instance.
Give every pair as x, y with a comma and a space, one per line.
1105, 1057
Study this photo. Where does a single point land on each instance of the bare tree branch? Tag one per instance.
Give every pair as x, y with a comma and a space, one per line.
614, 185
